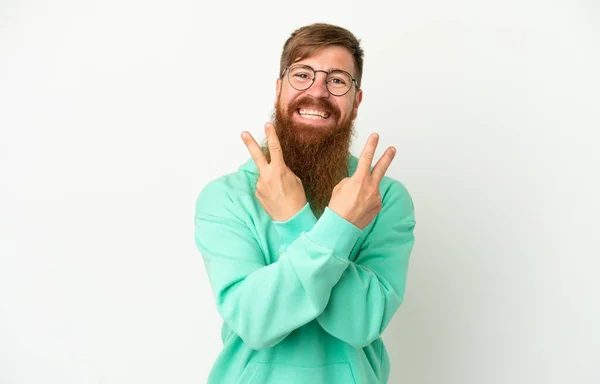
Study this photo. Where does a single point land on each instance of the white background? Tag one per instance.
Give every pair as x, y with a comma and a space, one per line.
114, 115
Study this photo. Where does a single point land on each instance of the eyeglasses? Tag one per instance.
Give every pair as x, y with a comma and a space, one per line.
301, 77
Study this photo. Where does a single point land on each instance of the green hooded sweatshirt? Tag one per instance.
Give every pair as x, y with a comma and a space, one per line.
303, 301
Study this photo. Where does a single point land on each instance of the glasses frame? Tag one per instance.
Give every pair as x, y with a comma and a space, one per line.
315, 76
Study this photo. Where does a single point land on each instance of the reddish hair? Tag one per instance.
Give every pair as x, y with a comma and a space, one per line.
304, 41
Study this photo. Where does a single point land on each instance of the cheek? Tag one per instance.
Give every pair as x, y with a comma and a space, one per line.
285, 100
284, 105
347, 109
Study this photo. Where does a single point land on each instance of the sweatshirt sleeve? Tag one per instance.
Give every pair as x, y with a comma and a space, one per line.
264, 303
371, 289
288, 231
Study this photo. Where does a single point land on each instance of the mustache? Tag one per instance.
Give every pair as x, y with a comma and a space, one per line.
311, 102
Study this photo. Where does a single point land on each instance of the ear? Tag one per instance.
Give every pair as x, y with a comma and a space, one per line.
277, 91
357, 101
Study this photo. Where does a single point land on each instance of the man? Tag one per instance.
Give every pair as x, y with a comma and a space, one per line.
306, 246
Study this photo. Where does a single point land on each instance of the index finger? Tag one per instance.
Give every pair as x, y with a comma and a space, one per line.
367, 155
274, 145
255, 151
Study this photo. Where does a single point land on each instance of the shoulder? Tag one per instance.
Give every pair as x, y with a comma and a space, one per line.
229, 189
396, 199
392, 189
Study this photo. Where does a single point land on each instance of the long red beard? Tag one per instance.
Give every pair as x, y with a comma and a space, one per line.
318, 156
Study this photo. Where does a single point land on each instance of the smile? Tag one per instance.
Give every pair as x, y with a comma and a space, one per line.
313, 114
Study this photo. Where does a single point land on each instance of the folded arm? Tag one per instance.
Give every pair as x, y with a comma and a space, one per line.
371, 289
264, 303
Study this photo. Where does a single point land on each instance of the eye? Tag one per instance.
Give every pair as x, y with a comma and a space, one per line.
301, 75
338, 79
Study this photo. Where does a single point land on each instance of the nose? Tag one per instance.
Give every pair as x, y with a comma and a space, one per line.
318, 89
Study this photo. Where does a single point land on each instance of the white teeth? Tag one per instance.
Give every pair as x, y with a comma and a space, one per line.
312, 114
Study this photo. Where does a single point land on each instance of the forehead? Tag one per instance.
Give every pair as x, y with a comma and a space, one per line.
330, 58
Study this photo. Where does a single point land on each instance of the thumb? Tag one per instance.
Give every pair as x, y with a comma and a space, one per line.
341, 183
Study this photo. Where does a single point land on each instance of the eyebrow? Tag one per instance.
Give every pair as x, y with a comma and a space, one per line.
330, 69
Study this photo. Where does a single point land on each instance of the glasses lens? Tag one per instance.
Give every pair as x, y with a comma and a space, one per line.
301, 77
339, 82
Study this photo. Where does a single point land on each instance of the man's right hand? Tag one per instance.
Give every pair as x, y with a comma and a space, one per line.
357, 198
278, 189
